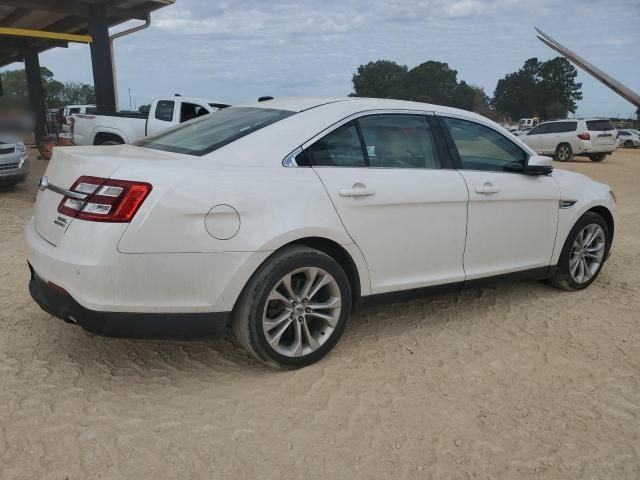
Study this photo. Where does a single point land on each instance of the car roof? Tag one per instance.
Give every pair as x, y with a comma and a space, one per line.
193, 100
354, 104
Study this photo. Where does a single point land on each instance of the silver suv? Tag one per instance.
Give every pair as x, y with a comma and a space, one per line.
590, 137
13, 160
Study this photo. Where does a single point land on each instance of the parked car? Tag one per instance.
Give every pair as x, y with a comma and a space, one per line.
629, 138
66, 113
528, 123
281, 216
129, 127
591, 137
14, 162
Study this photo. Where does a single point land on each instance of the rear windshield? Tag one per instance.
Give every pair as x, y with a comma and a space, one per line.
599, 125
210, 132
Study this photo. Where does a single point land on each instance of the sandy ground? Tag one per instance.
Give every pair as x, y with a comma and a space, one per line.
517, 381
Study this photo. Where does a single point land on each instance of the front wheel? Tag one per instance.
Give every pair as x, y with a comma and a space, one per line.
294, 309
628, 144
583, 254
564, 152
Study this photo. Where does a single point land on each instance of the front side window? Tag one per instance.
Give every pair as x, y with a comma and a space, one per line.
211, 132
482, 148
340, 148
399, 141
164, 110
623, 133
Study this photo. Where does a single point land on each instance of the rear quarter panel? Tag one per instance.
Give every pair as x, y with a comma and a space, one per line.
275, 206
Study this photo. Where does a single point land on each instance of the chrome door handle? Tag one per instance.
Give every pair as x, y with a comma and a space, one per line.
487, 189
357, 190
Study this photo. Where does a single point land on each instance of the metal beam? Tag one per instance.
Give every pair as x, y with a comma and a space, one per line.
13, 17
73, 7
24, 32
101, 58
13, 45
622, 90
36, 91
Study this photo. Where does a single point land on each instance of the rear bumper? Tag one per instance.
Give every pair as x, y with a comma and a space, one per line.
60, 304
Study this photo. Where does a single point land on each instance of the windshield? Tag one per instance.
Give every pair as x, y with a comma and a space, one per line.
211, 132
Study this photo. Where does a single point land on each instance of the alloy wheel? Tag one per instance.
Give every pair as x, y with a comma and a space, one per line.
301, 312
563, 153
587, 253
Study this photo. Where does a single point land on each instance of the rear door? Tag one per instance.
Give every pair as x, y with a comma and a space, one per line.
602, 132
404, 206
535, 137
557, 133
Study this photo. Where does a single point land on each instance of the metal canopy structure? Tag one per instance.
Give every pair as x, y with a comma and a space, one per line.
30, 27
622, 90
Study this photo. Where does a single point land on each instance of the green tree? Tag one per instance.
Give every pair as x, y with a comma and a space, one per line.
547, 89
380, 79
56, 93
558, 87
433, 82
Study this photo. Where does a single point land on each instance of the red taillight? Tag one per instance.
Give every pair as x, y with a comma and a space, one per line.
108, 200
584, 136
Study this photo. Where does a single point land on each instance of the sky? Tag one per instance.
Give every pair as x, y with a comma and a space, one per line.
239, 50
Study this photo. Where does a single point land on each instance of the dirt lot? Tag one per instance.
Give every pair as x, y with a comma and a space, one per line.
517, 381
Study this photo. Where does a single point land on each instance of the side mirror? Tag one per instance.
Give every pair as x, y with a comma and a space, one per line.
539, 165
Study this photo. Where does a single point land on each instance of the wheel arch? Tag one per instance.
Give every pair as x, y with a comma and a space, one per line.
101, 134
573, 217
340, 255
347, 256
605, 213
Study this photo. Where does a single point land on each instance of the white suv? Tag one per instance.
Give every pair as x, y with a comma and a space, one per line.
591, 137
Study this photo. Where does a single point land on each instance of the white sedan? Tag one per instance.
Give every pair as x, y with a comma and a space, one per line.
279, 217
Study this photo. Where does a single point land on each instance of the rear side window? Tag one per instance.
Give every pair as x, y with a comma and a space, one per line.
91, 109
482, 148
74, 110
211, 132
562, 127
599, 125
398, 141
340, 148
164, 110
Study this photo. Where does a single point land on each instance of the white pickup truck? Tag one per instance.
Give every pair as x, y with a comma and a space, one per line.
128, 127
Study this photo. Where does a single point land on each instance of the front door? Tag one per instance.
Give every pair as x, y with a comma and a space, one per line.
405, 212
513, 217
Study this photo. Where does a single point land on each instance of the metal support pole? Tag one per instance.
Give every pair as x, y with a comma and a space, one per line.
113, 62
101, 58
1, 89
36, 92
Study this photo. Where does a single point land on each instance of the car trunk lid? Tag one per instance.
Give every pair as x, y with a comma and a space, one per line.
65, 167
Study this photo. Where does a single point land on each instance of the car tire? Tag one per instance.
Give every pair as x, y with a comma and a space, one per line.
598, 158
273, 318
628, 144
567, 275
564, 152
